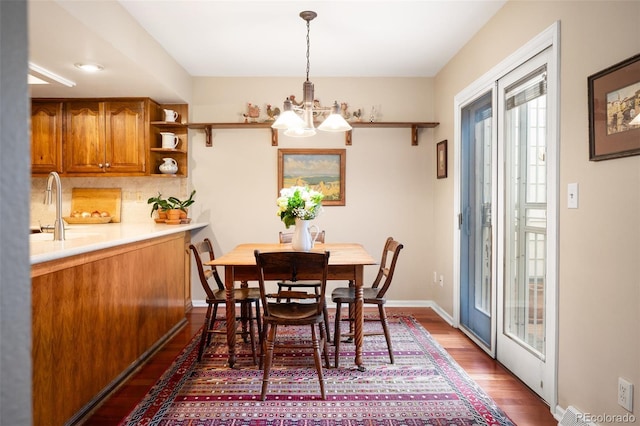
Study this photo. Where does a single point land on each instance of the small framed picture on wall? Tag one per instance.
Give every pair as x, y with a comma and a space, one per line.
614, 111
441, 159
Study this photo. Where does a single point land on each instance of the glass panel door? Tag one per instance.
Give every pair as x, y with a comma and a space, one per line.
523, 316
526, 202
476, 221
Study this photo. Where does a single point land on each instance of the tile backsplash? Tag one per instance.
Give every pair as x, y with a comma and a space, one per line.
135, 192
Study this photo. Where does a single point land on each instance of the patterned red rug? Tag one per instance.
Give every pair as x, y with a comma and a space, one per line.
425, 386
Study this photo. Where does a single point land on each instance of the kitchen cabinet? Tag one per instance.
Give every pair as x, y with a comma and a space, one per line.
105, 136
178, 127
46, 137
98, 316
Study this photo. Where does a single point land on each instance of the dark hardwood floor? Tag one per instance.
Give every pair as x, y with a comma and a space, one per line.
518, 401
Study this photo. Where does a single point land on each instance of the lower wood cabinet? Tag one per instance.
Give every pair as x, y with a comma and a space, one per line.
96, 316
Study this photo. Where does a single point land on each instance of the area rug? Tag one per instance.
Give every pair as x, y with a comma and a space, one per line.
424, 386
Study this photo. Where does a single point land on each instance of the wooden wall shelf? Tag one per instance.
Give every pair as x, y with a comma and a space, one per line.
414, 126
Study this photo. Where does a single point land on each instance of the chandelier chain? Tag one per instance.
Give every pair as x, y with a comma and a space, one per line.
308, 45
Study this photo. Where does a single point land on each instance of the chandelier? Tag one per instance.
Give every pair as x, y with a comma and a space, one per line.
297, 119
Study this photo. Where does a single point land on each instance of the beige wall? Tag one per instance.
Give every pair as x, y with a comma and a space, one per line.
599, 247
389, 183
392, 190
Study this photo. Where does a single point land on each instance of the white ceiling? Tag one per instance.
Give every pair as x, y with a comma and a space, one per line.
397, 38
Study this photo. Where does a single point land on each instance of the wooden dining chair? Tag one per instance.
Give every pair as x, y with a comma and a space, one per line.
293, 308
286, 237
375, 295
245, 297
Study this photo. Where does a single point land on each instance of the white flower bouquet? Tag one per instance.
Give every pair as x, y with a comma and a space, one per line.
298, 202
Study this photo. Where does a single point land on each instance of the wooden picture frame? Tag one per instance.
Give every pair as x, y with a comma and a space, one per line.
614, 111
441, 159
319, 169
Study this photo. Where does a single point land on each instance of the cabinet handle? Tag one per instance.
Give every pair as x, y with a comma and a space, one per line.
100, 165
107, 165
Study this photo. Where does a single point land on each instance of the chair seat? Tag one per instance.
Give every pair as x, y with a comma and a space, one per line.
348, 295
300, 313
240, 294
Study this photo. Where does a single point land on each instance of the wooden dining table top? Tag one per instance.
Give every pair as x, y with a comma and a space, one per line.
340, 253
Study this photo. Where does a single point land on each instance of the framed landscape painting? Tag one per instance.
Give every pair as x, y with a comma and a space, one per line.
319, 169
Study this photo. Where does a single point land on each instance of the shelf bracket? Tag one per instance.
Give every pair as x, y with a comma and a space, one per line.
348, 137
414, 135
274, 137
209, 136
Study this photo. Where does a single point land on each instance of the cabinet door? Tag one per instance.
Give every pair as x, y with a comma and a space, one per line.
125, 141
84, 137
46, 137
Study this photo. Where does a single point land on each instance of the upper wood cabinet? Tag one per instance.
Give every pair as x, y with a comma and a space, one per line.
46, 136
105, 137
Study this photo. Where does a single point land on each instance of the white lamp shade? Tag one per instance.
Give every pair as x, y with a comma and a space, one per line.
335, 123
287, 120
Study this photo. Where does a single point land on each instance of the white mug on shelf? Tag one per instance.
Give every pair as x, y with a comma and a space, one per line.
169, 140
170, 115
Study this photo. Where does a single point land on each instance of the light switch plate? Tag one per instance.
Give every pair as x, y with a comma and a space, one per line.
572, 195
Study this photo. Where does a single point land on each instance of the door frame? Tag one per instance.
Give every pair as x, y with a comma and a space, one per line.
547, 39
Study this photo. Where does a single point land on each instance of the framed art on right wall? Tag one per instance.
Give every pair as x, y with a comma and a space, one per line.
614, 111
441, 159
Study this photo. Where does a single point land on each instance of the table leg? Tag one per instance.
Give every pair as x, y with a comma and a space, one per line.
359, 315
231, 314
244, 314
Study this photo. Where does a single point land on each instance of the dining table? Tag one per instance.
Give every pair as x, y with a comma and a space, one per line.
346, 262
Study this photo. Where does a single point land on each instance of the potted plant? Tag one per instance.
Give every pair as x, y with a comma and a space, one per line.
172, 209
180, 205
160, 205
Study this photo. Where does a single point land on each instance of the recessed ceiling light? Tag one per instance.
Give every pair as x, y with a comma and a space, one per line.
90, 67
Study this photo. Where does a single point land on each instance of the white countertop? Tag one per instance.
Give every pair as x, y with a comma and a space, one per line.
86, 238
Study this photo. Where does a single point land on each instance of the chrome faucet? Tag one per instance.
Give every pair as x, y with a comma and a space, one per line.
58, 226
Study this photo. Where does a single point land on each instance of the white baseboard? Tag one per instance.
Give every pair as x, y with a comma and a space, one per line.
201, 303
442, 313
